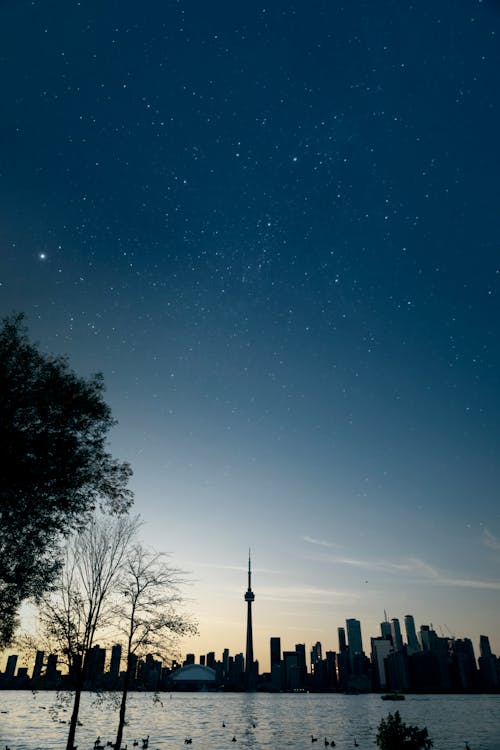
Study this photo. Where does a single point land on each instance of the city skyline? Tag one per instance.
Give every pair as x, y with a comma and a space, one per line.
274, 230
394, 660
240, 640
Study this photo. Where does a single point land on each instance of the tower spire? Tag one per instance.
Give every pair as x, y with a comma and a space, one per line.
249, 665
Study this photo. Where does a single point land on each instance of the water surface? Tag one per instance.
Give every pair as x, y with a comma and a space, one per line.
36, 721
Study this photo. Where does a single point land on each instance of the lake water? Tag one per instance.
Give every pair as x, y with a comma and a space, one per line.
33, 721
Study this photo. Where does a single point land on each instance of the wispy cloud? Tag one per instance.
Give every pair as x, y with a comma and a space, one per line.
305, 594
490, 540
239, 568
319, 542
469, 583
417, 570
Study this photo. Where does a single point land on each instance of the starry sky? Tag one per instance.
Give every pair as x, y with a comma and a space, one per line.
274, 227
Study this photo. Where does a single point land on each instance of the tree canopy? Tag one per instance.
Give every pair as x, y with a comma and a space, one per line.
54, 465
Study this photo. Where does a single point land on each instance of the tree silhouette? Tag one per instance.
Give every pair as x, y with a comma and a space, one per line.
394, 734
148, 613
54, 466
81, 602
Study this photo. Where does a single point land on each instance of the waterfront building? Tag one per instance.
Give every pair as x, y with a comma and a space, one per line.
10, 669
331, 666
385, 630
380, 650
354, 637
463, 664
342, 640
411, 634
37, 669
114, 665
300, 649
316, 655
343, 660
51, 671
275, 649
292, 671
225, 663
193, 677
397, 638
425, 637
488, 664
95, 659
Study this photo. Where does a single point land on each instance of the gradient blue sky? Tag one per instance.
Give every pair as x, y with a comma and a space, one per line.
275, 229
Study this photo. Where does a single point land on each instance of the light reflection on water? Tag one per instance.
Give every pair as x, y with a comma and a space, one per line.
28, 721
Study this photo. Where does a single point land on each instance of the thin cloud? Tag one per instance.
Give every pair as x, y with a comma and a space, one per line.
419, 570
305, 594
319, 542
470, 584
239, 568
490, 540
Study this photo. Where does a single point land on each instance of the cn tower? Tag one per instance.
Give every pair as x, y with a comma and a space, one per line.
249, 597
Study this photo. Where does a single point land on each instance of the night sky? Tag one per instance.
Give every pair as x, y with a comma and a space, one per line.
274, 227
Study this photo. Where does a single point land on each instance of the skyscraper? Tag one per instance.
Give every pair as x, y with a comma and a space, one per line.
411, 633
385, 628
397, 638
249, 598
37, 669
342, 640
354, 636
275, 644
114, 666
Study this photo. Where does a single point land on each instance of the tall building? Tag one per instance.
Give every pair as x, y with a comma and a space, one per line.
381, 648
37, 669
385, 628
425, 637
114, 665
225, 663
275, 644
249, 598
411, 633
316, 654
11, 666
354, 636
300, 650
484, 646
51, 671
487, 664
342, 640
397, 638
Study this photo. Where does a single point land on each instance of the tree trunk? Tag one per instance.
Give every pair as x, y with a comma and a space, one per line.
74, 716
123, 705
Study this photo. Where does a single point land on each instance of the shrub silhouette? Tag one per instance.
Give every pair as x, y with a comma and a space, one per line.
394, 734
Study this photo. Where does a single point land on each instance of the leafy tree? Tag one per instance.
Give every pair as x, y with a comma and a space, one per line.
148, 613
54, 466
394, 734
81, 603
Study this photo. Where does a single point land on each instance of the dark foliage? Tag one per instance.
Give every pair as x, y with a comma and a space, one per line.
54, 466
394, 734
